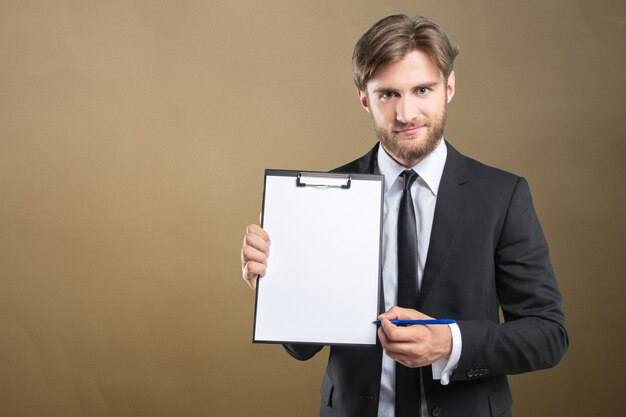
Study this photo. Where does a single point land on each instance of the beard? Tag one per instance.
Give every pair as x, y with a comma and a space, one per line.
412, 149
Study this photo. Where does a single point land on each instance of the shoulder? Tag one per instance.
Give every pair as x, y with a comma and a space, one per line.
476, 172
363, 165
493, 187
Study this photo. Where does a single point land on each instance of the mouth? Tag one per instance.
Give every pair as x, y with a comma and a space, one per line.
409, 131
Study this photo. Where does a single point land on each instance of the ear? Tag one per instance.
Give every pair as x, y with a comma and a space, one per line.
363, 100
451, 87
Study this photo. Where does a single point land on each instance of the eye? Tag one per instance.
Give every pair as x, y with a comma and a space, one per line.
422, 91
386, 95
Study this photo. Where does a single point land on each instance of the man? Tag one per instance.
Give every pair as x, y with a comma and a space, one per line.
460, 240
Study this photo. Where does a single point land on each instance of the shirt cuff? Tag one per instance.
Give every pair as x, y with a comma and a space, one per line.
443, 368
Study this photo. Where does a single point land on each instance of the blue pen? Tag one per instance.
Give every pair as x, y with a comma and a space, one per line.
412, 322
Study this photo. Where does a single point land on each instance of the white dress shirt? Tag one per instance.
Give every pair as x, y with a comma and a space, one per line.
424, 191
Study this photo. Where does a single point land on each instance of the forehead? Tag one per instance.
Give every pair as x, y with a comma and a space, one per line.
414, 69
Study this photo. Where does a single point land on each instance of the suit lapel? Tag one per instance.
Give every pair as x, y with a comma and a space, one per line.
449, 209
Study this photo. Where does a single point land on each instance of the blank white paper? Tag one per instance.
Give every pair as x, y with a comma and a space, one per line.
322, 280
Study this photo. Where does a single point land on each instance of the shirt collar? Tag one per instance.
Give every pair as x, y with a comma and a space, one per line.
430, 169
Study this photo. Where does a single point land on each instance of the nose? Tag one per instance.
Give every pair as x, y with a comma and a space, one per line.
406, 109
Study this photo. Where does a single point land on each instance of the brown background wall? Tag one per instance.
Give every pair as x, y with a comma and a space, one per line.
133, 138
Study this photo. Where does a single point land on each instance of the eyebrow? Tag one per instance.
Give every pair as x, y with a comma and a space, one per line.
428, 85
422, 85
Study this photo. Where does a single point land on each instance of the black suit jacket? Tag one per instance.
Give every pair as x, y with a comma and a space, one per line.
487, 251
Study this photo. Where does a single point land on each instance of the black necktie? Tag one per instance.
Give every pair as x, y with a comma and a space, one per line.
407, 379
407, 245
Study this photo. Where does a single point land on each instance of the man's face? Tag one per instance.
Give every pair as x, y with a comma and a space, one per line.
407, 100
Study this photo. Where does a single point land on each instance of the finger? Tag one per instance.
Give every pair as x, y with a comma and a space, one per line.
386, 335
391, 342
404, 334
253, 270
252, 282
382, 336
384, 340
395, 334
256, 242
396, 313
259, 231
248, 253
409, 314
407, 353
394, 350
400, 313
390, 330
249, 277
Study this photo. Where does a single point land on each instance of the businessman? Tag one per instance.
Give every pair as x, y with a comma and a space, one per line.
460, 240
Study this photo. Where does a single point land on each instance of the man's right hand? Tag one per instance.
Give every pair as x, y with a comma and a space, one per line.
256, 249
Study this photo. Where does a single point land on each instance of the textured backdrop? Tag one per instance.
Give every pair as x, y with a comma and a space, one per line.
133, 139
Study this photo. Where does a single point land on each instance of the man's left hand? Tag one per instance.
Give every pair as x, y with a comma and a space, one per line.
413, 346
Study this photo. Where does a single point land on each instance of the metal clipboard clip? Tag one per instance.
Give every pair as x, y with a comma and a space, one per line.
323, 180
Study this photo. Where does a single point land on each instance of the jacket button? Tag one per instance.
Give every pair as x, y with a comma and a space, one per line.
435, 412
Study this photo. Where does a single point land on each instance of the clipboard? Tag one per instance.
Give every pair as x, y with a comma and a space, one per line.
323, 279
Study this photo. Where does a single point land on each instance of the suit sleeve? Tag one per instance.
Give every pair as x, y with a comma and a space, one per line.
533, 334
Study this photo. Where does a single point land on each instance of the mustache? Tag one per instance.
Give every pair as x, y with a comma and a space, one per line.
405, 126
